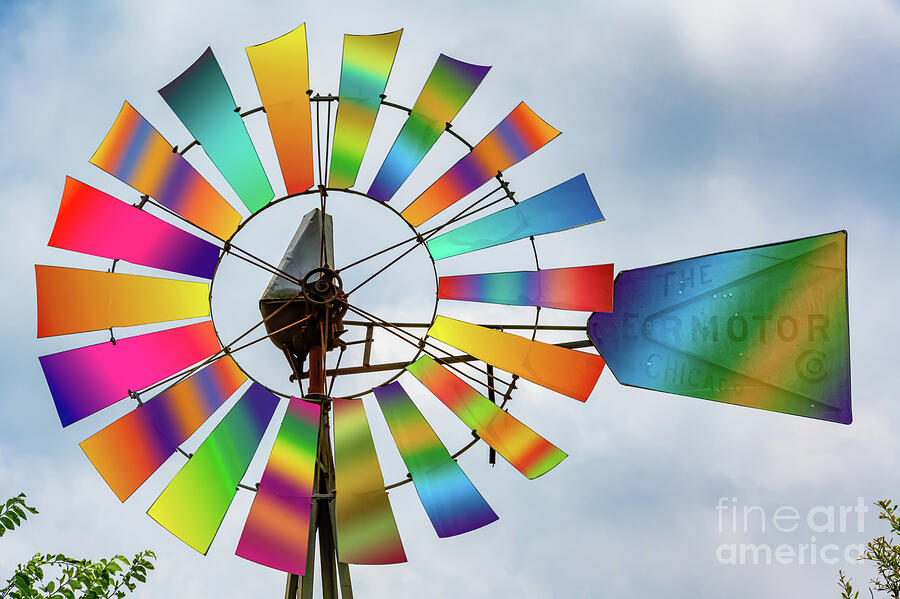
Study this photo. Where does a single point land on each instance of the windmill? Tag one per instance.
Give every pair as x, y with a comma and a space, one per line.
764, 327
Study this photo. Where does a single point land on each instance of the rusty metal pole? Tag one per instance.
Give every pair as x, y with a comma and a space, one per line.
309, 294
321, 523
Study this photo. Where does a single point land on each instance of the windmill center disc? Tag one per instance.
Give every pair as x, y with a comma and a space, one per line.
404, 292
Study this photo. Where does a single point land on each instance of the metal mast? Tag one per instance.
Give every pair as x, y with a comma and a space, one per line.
315, 303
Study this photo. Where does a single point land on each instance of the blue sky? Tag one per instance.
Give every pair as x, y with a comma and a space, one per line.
700, 126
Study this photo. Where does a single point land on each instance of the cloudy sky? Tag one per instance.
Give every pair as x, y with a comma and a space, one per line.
701, 127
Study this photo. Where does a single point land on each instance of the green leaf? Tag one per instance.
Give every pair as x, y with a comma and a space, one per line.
6, 522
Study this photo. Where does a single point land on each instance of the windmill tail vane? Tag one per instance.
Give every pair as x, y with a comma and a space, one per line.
764, 327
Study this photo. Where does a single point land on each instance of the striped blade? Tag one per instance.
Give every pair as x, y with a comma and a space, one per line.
281, 69
85, 380
135, 153
193, 505
519, 135
568, 205
365, 69
277, 529
566, 371
450, 85
527, 451
764, 327
71, 300
202, 100
129, 450
366, 530
452, 502
588, 288
92, 222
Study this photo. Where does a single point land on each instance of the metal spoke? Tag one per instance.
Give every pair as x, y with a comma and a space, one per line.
231, 248
431, 233
180, 376
421, 238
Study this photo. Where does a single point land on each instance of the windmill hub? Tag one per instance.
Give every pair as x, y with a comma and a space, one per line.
322, 285
302, 307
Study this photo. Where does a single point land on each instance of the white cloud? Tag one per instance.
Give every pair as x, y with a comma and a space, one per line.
793, 45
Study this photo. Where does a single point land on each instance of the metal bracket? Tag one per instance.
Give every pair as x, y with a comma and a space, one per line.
367, 350
251, 111
449, 129
186, 148
319, 398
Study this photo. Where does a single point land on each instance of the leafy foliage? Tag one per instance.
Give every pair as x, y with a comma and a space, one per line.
77, 578
14, 512
884, 554
49, 576
847, 591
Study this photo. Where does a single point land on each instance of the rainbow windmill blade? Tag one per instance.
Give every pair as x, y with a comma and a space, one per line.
180, 376
183, 375
764, 327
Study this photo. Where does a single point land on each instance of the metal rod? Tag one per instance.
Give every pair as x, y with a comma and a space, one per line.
187, 147
492, 453
445, 360
511, 327
319, 146
230, 248
422, 238
449, 129
392, 105
253, 111
367, 352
